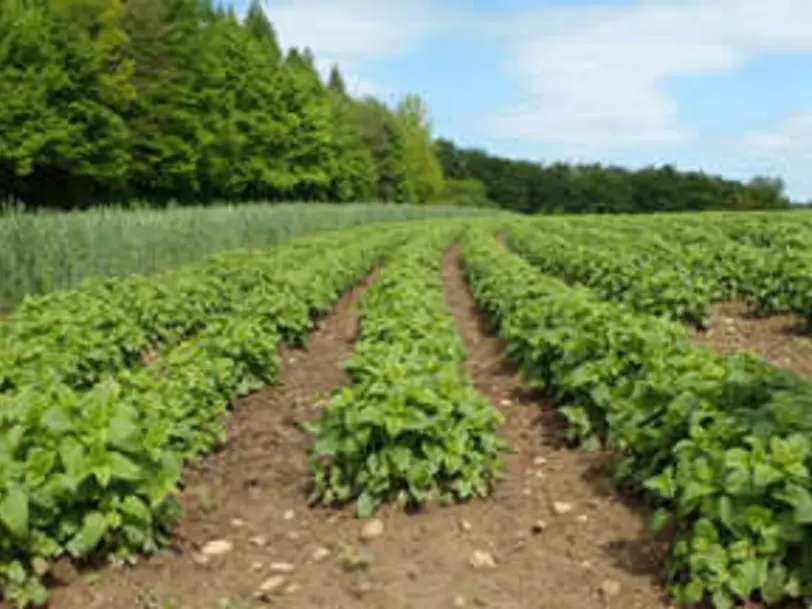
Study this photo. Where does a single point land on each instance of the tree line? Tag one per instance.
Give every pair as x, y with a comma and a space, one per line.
104, 100
111, 101
530, 187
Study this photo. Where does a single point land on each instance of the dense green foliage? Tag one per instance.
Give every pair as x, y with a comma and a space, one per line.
411, 426
679, 265
176, 99
76, 337
93, 470
719, 443
530, 187
49, 251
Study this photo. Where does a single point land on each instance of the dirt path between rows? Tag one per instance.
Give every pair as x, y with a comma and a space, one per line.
777, 339
593, 554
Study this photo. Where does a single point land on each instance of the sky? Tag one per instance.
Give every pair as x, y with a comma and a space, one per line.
719, 85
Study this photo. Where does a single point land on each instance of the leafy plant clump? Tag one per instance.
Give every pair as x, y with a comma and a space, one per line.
411, 425
95, 473
719, 444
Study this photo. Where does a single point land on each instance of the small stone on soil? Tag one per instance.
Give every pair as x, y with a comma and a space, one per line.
218, 547
293, 535
237, 523
560, 508
505, 402
282, 567
539, 461
320, 553
289, 515
361, 589
459, 601
258, 541
610, 588
292, 588
481, 560
270, 585
465, 526
538, 527
583, 518
372, 529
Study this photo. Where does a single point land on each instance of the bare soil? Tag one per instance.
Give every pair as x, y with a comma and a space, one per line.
596, 555
777, 339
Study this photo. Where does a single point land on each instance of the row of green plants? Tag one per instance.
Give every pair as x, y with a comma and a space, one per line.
719, 445
633, 275
410, 426
672, 267
75, 337
95, 473
763, 259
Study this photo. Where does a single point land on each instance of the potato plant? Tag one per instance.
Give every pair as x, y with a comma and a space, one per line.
411, 425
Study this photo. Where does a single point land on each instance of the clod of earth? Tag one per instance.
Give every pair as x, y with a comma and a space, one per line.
481, 559
218, 547
372, 529
562, 508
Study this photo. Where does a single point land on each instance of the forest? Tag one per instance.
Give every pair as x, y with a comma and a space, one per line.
158, 101
529, 187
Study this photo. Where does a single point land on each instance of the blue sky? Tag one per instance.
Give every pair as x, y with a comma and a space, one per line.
722, 85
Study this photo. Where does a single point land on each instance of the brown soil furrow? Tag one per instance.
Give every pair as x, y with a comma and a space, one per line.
599, 554
777, 339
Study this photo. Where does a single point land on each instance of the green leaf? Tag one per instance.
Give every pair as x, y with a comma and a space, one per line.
366, 505
801, 501
124, 469
721, 599
14, 512
660, 520
89, 536
747, 577
773, 589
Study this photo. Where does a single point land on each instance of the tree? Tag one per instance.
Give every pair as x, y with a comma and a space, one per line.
423, 169
63, 83
311, 150
336, 82
176, 81
260, 27
354, 171
384, 137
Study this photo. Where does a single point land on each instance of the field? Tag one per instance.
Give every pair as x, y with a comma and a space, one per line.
43, 252
500, 411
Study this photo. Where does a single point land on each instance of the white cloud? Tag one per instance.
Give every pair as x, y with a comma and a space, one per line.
784, 149
791, 136
350, 28
596, 78
350, 32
